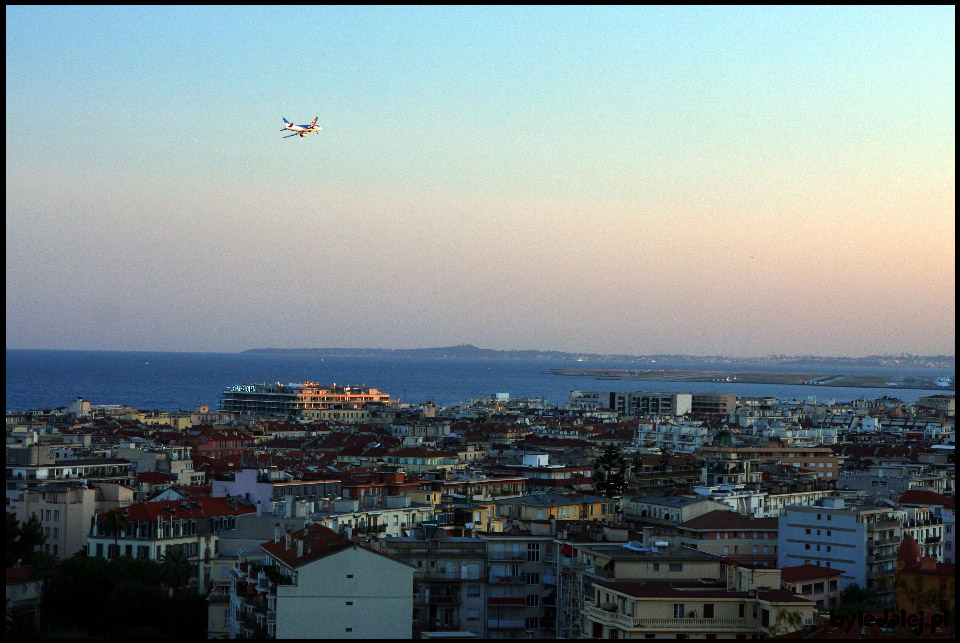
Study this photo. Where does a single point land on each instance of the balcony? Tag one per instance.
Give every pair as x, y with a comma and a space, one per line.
507, 555
443, 600
438, 575
506, 601
627, 621
505, 623
506, 580
438, 625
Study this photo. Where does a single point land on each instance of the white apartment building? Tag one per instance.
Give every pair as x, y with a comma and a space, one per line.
316, 584
677, 437
861, 542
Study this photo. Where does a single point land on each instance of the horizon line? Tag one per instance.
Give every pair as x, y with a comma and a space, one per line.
503, 350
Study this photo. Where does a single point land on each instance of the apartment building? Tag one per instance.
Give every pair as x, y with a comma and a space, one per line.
521, 597
656, 509
928, 531
561, 506
316, 584
153, 528
450, 582
643, 609
941, 507
813, 582
665, 560
820, 460
638, 403
736, 537
713, 403
268, 486
675, 437
860, 541
64, 509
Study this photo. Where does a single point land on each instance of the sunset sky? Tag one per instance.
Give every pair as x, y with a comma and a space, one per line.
737, 181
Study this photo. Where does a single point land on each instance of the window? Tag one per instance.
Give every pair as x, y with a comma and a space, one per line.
533, 623
833, 586
473, 591
676, 567
656, 567
533, 552
533, 600
533, 578
678, 610
708, 610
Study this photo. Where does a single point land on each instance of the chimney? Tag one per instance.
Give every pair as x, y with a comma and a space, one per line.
287, 543
276, 533
299, 547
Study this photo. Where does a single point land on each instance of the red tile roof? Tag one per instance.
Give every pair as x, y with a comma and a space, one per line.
928, 498
155, 477
806, 572
318, 542
19, 574
201, 507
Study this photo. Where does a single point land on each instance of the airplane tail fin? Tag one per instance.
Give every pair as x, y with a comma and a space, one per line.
314, 121
286, 121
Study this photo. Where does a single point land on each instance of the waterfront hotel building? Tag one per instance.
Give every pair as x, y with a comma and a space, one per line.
297, 400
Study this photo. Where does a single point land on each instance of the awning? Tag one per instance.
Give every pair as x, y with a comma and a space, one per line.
600, 561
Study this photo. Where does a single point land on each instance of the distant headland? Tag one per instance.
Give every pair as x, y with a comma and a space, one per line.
469, 351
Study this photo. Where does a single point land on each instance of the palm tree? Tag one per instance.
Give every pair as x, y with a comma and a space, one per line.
175, 572
115, 523
175, 568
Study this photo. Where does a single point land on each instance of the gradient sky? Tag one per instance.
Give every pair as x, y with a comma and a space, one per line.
737, 181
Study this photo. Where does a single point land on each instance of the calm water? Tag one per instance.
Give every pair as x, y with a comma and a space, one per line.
174, 381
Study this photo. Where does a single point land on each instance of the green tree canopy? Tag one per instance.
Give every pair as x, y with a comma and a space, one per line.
23, 540
609, 478
855, 598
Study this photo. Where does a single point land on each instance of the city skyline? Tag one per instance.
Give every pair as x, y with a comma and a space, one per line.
631, 180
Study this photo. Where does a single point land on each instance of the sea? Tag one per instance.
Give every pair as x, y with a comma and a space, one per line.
47, 379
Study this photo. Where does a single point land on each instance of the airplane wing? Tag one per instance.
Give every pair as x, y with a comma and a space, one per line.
290, 135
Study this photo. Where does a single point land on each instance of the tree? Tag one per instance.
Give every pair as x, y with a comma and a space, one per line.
855, 598
608, 473
175, 569
23, 540
115, 523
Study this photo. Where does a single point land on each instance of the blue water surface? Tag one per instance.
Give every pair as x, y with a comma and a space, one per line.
181, 381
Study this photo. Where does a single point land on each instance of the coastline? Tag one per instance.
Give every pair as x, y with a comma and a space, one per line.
885, 382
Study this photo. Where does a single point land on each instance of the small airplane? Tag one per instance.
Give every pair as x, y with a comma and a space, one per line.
301, 130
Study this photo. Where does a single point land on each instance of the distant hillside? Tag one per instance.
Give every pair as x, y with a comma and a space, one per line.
463, 351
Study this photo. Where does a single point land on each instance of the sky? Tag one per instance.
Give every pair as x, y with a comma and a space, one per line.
697, 180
